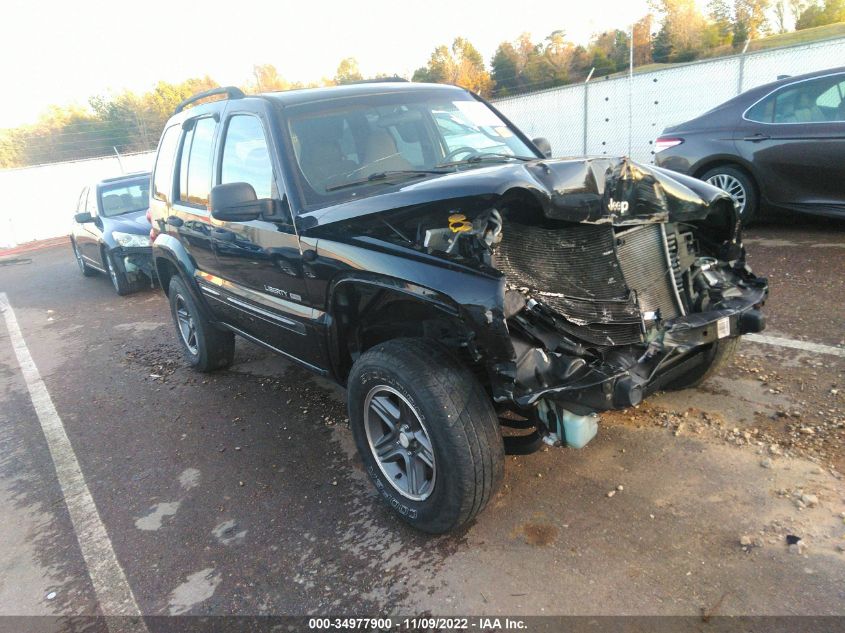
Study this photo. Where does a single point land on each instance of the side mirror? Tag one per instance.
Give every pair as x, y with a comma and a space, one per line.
542, 143
83, 217
237, 202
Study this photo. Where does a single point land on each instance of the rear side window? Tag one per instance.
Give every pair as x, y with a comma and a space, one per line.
196, 154
163, 177
246, 157
820, 100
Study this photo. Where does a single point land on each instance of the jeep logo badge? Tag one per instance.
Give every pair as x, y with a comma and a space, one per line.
614, 205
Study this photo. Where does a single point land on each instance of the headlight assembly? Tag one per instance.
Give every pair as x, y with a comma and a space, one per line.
130, 240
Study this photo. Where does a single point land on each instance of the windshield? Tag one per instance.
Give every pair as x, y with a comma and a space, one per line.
124, 197
352, 148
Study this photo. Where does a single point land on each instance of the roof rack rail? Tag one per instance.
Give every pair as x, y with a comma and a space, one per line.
231, 91
379, 80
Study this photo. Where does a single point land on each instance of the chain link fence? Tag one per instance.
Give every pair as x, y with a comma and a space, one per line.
623, 116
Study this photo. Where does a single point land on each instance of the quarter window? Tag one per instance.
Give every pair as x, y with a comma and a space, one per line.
163, 178
246, 157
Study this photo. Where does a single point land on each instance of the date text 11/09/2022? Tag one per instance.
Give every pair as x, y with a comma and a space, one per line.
419, 624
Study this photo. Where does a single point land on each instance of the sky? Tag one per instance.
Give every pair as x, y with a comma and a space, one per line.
61, 52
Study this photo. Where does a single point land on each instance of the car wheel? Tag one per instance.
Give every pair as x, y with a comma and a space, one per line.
740, 186
426, 432
205, 346
119, 280
718, 355
83, 267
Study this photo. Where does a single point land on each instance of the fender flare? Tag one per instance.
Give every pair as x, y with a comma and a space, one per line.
414, 292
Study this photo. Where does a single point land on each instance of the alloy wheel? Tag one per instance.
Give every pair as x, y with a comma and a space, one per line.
400, 443
187, 327
734, 189
112, 273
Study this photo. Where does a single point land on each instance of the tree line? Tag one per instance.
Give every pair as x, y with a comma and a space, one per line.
132, 122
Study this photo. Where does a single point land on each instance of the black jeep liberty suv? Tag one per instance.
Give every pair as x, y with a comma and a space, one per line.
409, 242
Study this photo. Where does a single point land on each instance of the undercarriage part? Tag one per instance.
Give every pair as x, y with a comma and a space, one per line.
523, 444
752, 322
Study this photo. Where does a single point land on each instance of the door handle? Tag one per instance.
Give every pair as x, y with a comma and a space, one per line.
756, 138
174, 220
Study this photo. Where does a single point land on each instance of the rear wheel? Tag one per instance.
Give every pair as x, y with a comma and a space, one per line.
426, 432
83, 267
717, 356
204, 346
739, 185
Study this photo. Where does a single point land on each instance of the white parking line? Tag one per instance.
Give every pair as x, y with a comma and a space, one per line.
113, 592
806, 346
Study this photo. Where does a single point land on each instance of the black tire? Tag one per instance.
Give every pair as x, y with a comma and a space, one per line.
457, 416
84, 268
119, 280
718, 355
210, 348
749, 188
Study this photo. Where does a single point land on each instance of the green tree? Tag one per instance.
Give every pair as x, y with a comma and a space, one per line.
721, 15
815, 15
681, 34
267, 79
347, 71
505, 69
461, 65
750, 16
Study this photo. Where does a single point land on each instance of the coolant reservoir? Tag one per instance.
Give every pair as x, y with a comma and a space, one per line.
575, 430
578, 430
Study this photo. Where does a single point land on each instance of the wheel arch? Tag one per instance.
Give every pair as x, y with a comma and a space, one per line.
368, 310
171, 259
727, 161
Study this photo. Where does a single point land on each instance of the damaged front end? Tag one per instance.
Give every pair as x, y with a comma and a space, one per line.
617, 280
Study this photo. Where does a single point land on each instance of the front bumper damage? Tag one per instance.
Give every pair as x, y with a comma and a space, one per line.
135, 261
623, 378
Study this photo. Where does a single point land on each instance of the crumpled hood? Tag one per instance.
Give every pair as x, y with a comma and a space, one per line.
616, 191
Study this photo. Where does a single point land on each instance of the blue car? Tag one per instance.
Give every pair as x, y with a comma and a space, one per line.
111, 232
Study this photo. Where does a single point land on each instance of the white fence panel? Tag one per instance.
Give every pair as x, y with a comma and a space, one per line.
658, 99
39, 202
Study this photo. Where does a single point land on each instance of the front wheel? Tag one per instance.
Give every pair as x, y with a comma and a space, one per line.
119, 279
426, 432
739, 185
204, 346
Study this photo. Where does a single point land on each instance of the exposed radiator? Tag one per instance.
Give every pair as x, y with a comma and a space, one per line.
574, 271
646, 258
604, 283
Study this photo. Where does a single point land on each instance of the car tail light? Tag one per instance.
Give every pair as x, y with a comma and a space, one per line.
149, 216
665, 142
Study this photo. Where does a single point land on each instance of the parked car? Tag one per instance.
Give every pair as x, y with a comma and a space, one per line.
442, 283
111, 234
781, 145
